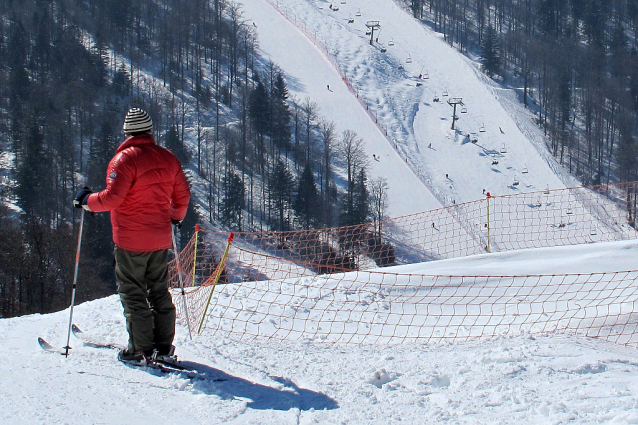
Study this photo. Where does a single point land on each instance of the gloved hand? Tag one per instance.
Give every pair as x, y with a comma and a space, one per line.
177, 223
81, 198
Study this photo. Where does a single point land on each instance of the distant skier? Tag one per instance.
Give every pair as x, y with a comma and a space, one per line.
146, 192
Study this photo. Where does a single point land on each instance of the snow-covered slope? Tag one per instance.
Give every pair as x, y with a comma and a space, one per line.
537, 379
445, 163
522, 379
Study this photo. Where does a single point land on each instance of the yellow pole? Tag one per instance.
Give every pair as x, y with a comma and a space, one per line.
218, 273
195, 254
488, 222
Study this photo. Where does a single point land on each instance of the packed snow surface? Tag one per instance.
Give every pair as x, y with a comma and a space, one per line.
528, 378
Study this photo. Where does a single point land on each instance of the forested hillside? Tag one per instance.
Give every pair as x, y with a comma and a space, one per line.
575, 62
69, 70
257, 158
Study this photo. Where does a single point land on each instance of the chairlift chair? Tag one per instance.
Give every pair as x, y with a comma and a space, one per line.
503, 149
409, 59
343, 1
464, 110
525, 170
482, 128
445, 93
391, 42
425, 75
358, 13
515, 182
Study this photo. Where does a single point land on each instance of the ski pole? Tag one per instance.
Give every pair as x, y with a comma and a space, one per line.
181, 285
75, 282
218, 273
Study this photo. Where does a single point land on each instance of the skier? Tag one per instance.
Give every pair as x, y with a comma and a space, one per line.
146, 191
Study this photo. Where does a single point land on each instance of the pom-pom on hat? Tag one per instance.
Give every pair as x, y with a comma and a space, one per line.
137, 121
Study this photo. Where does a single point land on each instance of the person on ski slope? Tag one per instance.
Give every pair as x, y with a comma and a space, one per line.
146, 192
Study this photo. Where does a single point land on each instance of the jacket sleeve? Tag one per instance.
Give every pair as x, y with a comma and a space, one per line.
119, 178
181, 195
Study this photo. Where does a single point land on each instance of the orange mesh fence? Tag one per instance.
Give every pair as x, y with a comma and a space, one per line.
325, 284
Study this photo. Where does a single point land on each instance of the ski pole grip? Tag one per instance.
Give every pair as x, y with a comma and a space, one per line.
231, 237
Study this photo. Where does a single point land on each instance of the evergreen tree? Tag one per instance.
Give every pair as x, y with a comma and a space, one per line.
176, 145
355, 205
34, 176
259, 109
121, 82
361, 207
233, 201
280, 186
490, 55
280, 113
306, 204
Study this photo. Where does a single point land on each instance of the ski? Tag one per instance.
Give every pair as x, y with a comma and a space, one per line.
88, 341
50, 348
166, 368
162, 364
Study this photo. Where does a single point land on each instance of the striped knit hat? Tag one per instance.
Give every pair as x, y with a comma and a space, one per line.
137, 121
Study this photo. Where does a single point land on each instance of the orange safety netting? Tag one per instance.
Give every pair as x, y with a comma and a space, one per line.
327, 285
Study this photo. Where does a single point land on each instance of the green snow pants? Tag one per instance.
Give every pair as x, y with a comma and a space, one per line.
142, 282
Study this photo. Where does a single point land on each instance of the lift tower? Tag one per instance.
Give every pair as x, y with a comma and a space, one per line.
453, 101
373, 25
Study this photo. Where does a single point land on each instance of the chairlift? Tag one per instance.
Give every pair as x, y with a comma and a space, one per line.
436, 98
351, 20
593, 231
525, 170
464, 110
515, 182
569, 211
494, 161
482, 128
335, 8
445, 93
409, 59
391, 42
343, 1
503, 149
383, 49
358, 13
425, 75
546, 191
474, 140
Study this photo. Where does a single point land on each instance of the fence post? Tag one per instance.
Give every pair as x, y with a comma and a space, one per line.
488, 222
195, 252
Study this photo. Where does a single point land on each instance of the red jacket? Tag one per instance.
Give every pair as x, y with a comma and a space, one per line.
145, 189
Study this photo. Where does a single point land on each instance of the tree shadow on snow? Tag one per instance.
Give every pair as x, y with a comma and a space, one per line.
261, 397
